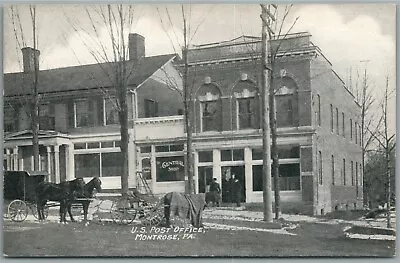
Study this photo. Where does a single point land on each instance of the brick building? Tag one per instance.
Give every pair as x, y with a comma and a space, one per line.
317, 117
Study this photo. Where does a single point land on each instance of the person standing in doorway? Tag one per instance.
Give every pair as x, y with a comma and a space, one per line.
236, 190
215, 191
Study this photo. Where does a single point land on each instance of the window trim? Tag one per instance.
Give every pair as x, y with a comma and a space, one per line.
251, 114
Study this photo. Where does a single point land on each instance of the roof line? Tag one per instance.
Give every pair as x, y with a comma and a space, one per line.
144, 81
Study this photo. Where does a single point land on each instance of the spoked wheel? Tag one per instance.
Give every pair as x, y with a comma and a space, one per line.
33, 208
17, 210
122, 213
152, 216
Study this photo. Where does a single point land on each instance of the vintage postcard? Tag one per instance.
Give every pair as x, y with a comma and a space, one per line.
199, 130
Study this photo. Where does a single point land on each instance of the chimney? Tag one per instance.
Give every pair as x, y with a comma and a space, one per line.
136, 47
30, 57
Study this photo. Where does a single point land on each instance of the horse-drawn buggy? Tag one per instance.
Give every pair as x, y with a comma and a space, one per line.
30, 192
152, 210
20, 194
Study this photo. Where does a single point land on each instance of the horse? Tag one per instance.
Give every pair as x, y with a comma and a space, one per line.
64, 193
88, 192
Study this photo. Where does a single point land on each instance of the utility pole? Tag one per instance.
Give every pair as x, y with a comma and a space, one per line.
266, 17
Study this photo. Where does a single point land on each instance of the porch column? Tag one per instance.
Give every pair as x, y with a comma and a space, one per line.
248, 171
15, 159
71, 162
217, 165
8, 159
57, 162
196, 172
49, 161
153, 169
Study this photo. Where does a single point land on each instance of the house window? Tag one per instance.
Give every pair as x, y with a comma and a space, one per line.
333, 169
352, 173
210, 115
337, 121
351, 129
357, 173
355, 132
246, 114
331, 118
344, 171
284, 111
111, 111
320, 167
170, 169
46, 117
10, 119
343, 127
85, 113
319, 110
150, 108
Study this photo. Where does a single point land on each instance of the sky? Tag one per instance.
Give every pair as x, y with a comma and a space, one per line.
354, 37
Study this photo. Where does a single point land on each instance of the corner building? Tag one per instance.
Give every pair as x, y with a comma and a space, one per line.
317, 119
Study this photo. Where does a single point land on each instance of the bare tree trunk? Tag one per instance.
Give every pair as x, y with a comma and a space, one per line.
123, 118
35, 110
274, 147
188, 126
187, 105
265, 82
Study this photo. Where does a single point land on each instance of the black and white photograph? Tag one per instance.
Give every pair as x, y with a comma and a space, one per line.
217, 130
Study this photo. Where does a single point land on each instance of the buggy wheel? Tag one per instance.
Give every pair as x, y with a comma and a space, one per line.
17, 210
152, 216
122, 213
33, 208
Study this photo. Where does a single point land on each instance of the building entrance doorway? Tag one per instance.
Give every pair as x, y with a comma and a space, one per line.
205, 177
227, 173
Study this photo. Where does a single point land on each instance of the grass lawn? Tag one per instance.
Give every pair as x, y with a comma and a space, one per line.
74, 239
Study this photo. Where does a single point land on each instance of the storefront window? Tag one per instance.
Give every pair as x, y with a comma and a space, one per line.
205, 156
288, 151
170, 169
257, 178
289, 177
257, 154
232, 155
111, 164
87, 165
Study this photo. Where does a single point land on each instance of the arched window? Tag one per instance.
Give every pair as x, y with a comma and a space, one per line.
209, 97
286, 103
247, 105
